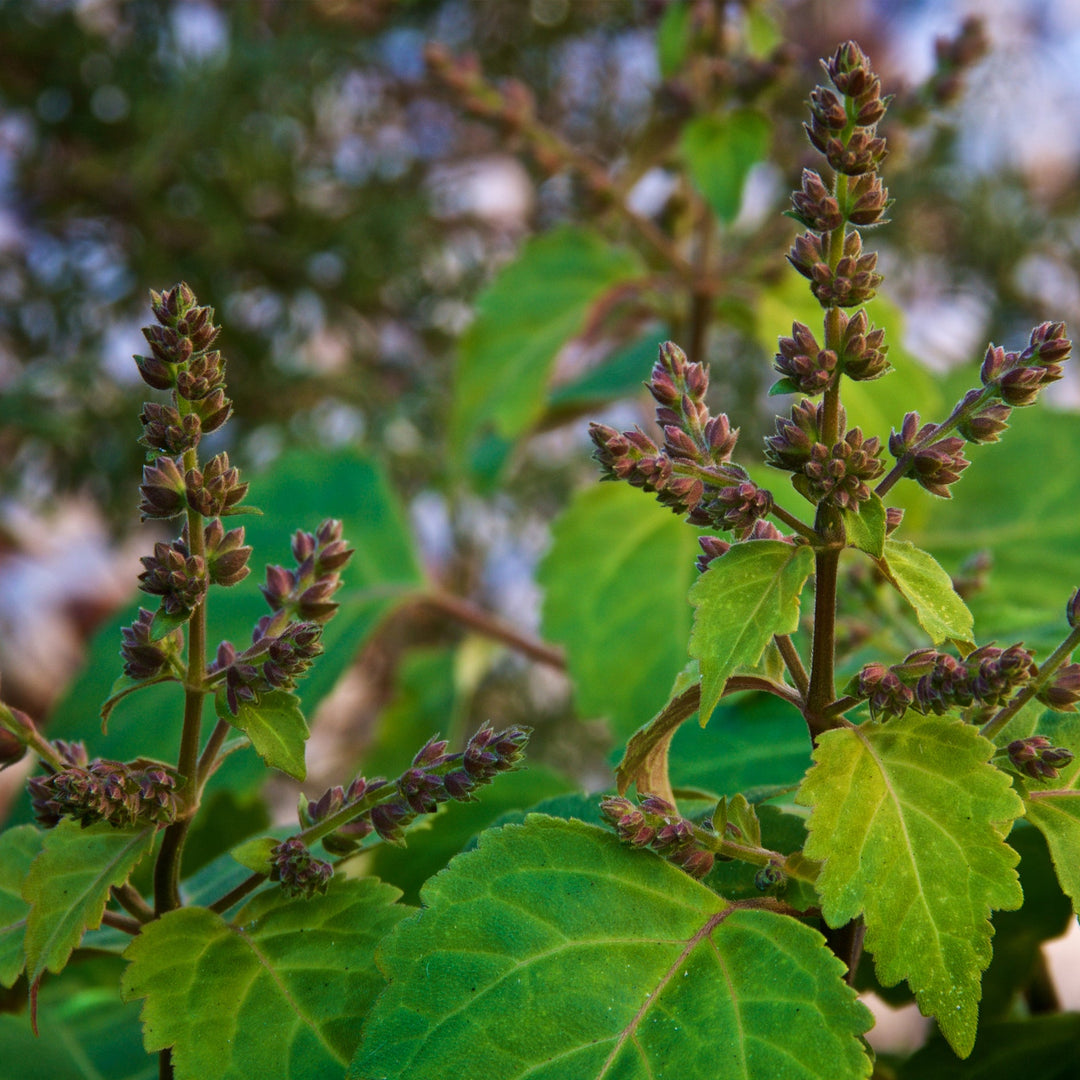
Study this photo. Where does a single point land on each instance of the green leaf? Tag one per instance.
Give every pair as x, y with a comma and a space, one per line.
523, 318
125, 685
929, 590
18, 849
620, 375
752, 741
866, 526
279, 993
1042, 1046
673, 38
256, 854
552, 951
87, 1032
68, 886
275, 725
164, 624
615, 582
907, 817
741, 601
720, 151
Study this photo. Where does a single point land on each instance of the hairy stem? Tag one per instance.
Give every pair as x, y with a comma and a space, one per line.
793, 662
822, 689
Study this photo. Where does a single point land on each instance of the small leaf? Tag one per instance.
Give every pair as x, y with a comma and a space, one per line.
523, 318
18, 849
783, 386
164, 623
907, 817
256, 854
720, 151
552, 951
866, 526
276, 727
68, 886
615, 581
741, 601
280, 992
929, 590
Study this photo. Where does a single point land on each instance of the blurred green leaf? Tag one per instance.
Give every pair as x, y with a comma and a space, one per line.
523, 318
18, 849
615, 581
620, 375
720, 151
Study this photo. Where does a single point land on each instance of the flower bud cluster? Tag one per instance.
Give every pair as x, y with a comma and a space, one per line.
809, 369
654, 823
1062, 692
143, 657
1017, 378
177, 576
935, 682
305, 592
121, 794
300, 873
840, 474
934, 466
273, 662
692, 472
388, 808
1037, 757
181, 359
843, 127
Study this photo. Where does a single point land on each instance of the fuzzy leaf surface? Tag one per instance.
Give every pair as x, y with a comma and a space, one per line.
280, 992
919, 578
866, 526
68, 886
624, 623
552, 951
907, 817
18, 849
275, 725
720, 152
524, 317
740, 602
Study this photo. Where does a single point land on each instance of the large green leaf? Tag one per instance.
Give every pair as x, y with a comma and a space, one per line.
523, 318
720, 151
552, 951
280, 992
907, 817
929, 590
615, 585
741, 601
18, 849
68, 886
300, 491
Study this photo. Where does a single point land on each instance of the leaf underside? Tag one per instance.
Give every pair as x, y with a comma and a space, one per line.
908, 819
552, 951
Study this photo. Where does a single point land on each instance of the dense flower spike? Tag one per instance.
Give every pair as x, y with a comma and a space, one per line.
691, 473
120, 794
863, 353
930, 681
177, 576
1063, 691
389, 808
300, 873
656, 824
1037, 758
808, 368
304, 593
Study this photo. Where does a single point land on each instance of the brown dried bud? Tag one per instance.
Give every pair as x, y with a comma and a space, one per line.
827, 109
216, 489
985, 425
867, 201
164, 429
1037, 758
226, 554
884, 690
863, 153
937, 466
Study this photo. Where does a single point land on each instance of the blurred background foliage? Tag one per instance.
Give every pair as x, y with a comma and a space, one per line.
343, 195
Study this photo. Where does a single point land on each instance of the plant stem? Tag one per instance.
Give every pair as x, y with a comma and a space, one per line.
121, 922
249, 884
475, 617
793, 522
794, 663
822, 689
208, 762
127, 896
1058, 657
846, 942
